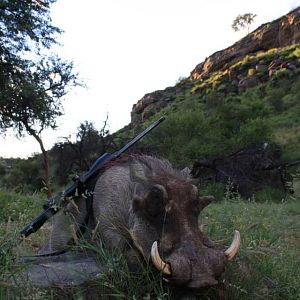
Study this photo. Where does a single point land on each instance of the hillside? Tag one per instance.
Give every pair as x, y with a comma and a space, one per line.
246, 94
243, 96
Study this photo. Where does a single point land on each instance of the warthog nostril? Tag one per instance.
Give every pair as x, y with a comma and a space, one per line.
202, 281
181, 270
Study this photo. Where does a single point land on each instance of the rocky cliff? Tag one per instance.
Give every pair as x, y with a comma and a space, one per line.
280, 33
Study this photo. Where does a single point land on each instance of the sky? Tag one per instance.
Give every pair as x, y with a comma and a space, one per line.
124, 49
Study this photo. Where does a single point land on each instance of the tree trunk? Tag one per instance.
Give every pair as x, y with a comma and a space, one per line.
45, 158
47, 168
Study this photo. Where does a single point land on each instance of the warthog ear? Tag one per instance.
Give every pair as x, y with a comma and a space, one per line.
186, 172
139, 171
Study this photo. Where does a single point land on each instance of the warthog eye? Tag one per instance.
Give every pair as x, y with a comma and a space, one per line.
155, 202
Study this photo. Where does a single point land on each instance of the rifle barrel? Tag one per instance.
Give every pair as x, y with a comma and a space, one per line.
138, 137
52, 205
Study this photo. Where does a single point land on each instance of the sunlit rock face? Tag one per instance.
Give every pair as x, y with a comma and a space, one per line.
279, 33
282, 32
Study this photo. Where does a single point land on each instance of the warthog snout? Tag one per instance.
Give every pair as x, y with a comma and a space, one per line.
193, 265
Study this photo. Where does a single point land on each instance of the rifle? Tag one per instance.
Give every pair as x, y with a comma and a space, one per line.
53, 204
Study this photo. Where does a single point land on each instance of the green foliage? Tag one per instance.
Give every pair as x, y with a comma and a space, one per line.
31, 101
296, 53
216, 189
183, 137
251, 72
186, 136
120, 282
69, 157
2, 169
283, 73
76, 157
25, 24
255, 132
18, 207
275, 98
25, 175
31, 90
222, 120
269, 194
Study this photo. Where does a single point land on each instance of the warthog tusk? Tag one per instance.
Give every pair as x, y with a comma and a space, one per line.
158, 262
234, 247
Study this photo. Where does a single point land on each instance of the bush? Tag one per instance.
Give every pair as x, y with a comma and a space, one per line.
283, 73
275, 99
2, 169
269, 194
296, 52
184, 137
254, 132
17, 206
215, 189
251, 72
25, 175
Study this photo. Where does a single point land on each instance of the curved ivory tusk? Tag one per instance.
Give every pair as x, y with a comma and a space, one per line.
235, 245
158, 262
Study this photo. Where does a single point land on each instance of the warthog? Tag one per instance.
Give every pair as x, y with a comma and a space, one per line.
142, 205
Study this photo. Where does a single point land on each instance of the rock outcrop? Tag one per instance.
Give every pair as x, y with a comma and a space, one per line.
282, 32
279, 33
150, 104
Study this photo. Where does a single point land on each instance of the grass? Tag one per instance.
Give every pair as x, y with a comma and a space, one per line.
121, 283
267, 266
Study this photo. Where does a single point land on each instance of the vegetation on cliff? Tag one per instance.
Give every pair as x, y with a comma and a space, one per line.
254, 101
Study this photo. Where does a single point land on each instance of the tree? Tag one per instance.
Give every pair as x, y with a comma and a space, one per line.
25, 25
78, 156
243, 21
35, 100
31, 89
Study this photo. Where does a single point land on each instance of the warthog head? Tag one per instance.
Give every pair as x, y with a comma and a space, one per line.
166, 206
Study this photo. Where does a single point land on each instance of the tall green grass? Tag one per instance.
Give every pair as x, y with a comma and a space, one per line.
266, 267
268, 263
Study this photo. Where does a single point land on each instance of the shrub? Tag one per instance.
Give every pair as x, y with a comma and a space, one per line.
283, 73
251, 72
26, 175
296, 52
255, 132
275, 98
215, 189
185, 136
17, 206
119, 282
2, 169
269, 194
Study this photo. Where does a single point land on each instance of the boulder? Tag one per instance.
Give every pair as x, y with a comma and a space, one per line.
261, 68
247, 82
67, 269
